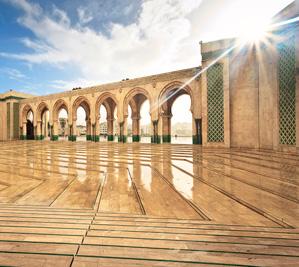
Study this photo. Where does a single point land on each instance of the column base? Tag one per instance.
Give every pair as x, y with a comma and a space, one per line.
95, 138
54, 138
122, 139
39, 137
72, 138
23, 137
136, 138
196, 140
110, 137
166, 138
156, 139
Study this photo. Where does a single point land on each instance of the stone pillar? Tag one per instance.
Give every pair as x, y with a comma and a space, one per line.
88, 130
166, 128
96, 131
155, 134
110, 129
23, 135
73, 130
38, 135
122, 137
196, 131
54, 136
136, 129
71, 133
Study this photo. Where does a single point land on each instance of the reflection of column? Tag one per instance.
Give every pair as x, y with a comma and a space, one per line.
166, 126
54, 136
110, 129
136, 129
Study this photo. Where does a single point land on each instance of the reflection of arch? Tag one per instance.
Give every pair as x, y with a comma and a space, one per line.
135, 98
59, 105
83, 102
170, 93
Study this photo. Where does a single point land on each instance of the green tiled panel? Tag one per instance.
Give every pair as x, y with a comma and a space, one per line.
166, 138
196, 139
215, 101
88, 137
136, 138
54, 137
72, 138
155, 139
111, 137
287, 92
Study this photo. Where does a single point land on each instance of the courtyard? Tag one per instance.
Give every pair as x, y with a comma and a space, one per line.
110, 204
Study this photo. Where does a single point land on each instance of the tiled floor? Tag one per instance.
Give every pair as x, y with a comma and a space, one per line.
109, 204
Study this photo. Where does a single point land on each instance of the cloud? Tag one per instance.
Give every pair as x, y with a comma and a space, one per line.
64, 85
158, 41
13, 74
84, 15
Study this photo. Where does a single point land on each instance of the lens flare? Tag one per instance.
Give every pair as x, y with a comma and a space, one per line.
253, 33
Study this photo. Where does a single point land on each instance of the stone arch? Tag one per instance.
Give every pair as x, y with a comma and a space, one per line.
25, 111
131, 95
41, 108
135, 99
27, 126
84, 103
109, 101
167, 97
59, 104
172, 91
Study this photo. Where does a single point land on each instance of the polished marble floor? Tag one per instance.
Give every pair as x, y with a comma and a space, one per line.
103, 198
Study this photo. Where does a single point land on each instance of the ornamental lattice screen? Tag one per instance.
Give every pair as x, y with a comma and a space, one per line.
215, 103
287, 92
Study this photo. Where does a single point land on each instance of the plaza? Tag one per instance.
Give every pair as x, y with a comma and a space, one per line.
111, 191
87, 204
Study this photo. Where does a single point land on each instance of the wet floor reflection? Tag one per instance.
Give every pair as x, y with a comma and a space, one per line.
177, 181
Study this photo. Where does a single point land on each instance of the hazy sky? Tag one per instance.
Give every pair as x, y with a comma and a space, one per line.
52, 46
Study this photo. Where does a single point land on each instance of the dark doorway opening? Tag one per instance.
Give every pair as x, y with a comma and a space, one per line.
30, 130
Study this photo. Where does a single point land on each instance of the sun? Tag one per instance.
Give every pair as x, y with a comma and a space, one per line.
254, 31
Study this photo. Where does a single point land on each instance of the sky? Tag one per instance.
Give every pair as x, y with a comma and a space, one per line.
53, 46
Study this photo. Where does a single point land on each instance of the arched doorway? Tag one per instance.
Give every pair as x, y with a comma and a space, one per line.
103, 124
29, 126
81, 120
63, 125
106, 125
43, 126
137, 113
176, 123
181, 120
61, 120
